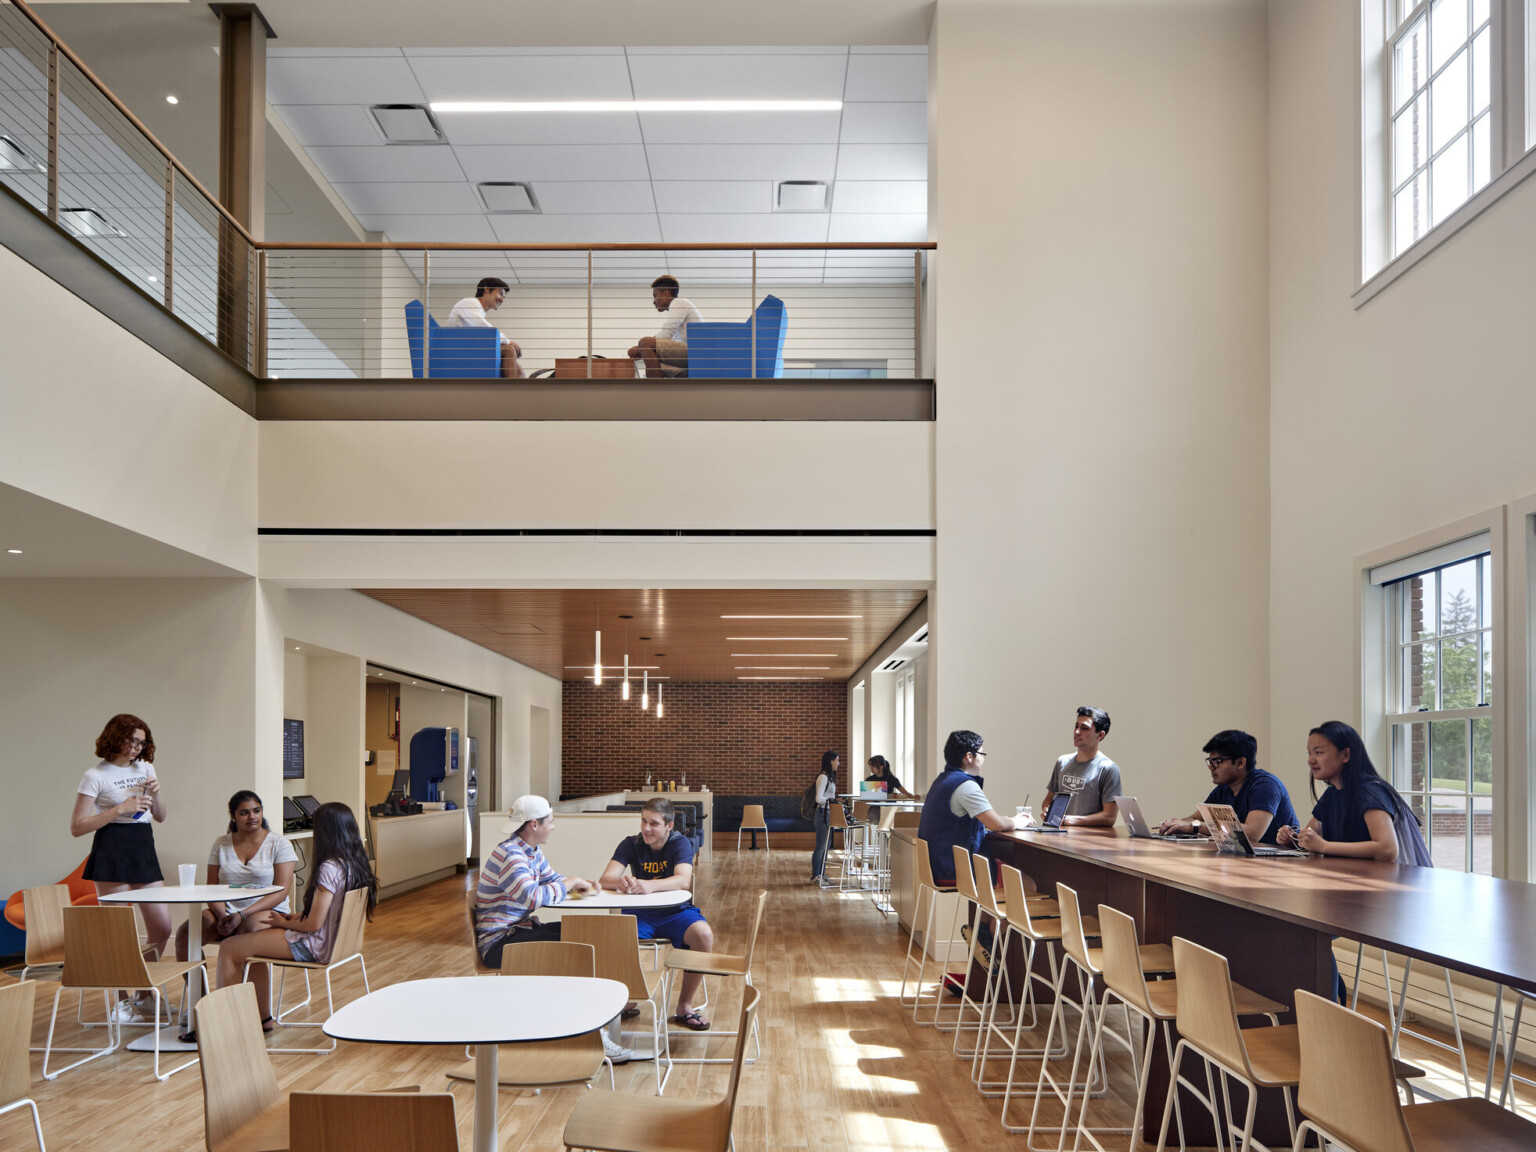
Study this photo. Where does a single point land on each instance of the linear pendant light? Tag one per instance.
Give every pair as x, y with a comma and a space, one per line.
624, 691
597, 662
645, 691
659, 704
636, 105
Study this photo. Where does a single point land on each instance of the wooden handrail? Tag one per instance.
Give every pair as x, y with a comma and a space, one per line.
68, 53
464, 246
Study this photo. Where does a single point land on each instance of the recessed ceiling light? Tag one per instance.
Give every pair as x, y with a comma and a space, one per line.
153, 279
407, 124
14, 551
636, 105
295, 647
172, 100
771, 639
13, 157
791, 617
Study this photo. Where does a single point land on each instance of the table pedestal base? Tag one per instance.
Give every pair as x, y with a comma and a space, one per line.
170, 1041
486, 1084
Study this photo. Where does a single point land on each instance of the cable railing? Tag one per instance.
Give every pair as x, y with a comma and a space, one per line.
295, 311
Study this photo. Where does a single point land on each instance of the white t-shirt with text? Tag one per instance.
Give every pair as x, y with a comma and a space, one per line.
110, 784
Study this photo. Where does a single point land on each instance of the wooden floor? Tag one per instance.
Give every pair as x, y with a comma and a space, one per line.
843, 1065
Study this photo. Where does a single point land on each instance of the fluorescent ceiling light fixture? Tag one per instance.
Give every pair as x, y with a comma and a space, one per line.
636, 105
88, 222
407, 124
791, 617
615, 667
781, 677
14, 551
774, 639
504, 197
783, 655
782, 668
15, 158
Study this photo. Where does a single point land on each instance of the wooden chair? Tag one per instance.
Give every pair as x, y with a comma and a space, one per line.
620, 1122
615, 941
906, 818
44, 909
837, 821
967, 923
924, 909
1208, 1027
714, 964
1348, 1094
16, 1005
753, 820
101, 954
470, 904
243, 1111
546, 1063
367, 1122
347, 947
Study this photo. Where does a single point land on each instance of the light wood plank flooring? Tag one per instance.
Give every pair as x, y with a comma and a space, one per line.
843, 1066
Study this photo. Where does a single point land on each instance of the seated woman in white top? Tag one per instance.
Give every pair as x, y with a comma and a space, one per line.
249, 853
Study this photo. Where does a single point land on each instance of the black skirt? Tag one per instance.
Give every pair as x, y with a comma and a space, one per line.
124, 854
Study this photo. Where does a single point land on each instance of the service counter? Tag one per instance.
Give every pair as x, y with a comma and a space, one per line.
413, 851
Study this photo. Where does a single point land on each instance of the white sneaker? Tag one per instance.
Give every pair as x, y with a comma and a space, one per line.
126, 1012
616, 1052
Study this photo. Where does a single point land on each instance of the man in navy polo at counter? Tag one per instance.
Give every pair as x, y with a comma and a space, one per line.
660, 859
956, 810
1258, 797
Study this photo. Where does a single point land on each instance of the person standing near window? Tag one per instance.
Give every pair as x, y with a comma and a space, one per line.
826, 793
470, 312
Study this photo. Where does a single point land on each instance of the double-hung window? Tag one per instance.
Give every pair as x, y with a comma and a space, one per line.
1440, 695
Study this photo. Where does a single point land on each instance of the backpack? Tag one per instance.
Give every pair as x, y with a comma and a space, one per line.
808, 802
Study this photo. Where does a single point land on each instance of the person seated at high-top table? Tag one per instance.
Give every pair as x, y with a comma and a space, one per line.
470, 313
660, 859
880, 773
1091, 777
516, 880
1258, 797
956, 810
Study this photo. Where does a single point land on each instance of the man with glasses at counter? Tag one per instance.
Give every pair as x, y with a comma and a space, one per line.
1258, 797
956, 810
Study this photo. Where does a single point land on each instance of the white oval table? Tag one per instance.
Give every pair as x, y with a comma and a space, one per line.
170, 1037
606, 901
484, 1011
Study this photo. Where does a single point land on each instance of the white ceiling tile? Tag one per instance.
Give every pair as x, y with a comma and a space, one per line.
413, 53
509, 128
880, 196
404, 198
740, 127
342, 80
554, 162
887, 77
888, 226
714, 196
454, 229
742, 161
276, 53
577, 229
891, 122
803, 77
316, 125
387, 162
724, 228
599, 196
882, 162
528, 78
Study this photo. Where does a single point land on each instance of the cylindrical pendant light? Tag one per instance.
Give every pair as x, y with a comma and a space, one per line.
624, 691
659, 704
597, 662
645, 690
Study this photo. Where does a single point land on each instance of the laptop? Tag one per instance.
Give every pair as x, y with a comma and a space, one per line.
1232, 840
1051, 821
1130, 809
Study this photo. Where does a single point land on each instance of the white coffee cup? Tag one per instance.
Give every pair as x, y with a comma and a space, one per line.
188, 874
1024, 814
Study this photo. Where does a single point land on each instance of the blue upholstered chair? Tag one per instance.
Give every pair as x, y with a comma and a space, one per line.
456, 353
723, 349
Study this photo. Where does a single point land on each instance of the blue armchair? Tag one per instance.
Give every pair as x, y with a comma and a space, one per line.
719, 349
456, 353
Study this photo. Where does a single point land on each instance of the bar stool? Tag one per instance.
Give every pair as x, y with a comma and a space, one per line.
837, 821
1154, 959
927, 899
970, 904
1208, 1026
1155, 1004
1509, 1039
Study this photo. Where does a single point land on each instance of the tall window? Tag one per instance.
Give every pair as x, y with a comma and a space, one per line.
1439, 699
1440, 68
906, 724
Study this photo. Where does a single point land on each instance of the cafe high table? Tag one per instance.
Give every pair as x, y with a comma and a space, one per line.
485, 1012
194, 894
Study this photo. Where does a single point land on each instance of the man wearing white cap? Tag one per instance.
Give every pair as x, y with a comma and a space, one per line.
516, 880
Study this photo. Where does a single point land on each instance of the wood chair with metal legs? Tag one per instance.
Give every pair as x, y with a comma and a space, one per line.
101, 954
1207, 1020
1088, 963
706, 964
925, 910
368, 1121
615, 941
346, 947
470, 904
1348, 1094
546, 1063
243, 1110
1397, 1014
16, 1006
622, 1122
1508, 1040
753, 820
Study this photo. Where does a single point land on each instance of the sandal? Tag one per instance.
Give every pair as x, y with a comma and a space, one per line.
266, 1024
629, 1013
692, 1021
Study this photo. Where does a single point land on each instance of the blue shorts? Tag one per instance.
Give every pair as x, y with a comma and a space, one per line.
301, 952
666, 924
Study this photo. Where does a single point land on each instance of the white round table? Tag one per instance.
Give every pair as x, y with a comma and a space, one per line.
609, 901
484, 1011
170, 1037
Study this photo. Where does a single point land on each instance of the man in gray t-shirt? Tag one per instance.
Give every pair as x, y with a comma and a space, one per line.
1092, 779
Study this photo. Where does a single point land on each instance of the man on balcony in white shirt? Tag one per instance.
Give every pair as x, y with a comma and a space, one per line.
470, 313
666, 353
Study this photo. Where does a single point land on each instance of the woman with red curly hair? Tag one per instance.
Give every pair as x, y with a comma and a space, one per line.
116, 801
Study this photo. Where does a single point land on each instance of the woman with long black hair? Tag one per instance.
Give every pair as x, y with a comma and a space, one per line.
250, 854
340, 864
826, 793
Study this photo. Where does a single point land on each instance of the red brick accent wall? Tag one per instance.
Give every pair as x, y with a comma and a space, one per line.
754, 738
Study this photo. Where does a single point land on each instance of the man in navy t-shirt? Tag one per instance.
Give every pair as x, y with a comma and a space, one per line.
1258, 797
660, 859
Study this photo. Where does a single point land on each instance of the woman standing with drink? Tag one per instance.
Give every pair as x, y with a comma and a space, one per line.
118, 801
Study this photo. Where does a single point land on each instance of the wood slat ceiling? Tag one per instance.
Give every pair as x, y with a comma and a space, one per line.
693, 634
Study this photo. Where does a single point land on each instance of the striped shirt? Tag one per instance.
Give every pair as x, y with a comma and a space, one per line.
514, 882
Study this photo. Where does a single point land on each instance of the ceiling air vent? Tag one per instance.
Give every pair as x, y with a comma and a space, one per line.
504, 197
801, 196
407, 124
15, 158
920, 638
893, 664
88, 222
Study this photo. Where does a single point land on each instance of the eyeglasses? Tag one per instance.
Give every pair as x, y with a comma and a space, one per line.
134, 742
1212, 761
979, 754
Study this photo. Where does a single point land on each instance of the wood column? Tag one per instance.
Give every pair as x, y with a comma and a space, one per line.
242, 170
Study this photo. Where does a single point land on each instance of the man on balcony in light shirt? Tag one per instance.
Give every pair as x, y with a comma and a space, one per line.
666, 353
470, 313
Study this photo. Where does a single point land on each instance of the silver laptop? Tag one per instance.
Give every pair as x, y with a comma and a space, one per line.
1236, 843
1130, 809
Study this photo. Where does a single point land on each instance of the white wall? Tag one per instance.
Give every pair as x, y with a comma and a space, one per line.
1388, 421
1102, 448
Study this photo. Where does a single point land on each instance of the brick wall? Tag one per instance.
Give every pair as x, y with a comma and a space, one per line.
757, 738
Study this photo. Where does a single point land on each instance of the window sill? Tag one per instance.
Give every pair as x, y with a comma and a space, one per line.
1497, 189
